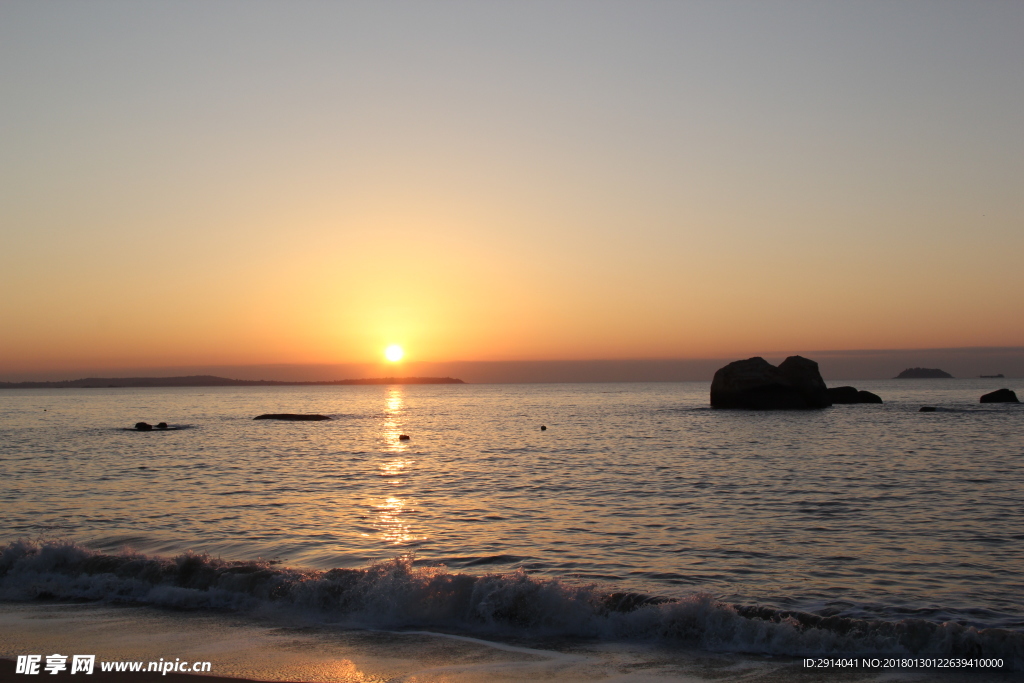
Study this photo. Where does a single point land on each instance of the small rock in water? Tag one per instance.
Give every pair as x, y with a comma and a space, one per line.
543, 428
1000, 396
143, 426
403, 437
161, 425
927, 409
293, 417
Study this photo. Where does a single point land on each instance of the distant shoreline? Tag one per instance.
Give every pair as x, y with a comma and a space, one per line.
848, 366
212, 381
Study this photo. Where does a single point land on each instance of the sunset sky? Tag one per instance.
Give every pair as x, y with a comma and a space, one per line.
221, 182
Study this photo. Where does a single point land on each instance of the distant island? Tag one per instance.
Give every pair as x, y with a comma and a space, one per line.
211, 381
924, 373
999, 376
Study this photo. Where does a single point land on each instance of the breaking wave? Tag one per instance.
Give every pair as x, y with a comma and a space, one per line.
399, 594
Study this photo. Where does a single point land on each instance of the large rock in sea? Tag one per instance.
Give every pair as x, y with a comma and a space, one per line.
1000, 396
756, 384
851, 395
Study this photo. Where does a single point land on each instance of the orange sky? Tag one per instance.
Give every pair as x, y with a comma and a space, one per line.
280, 183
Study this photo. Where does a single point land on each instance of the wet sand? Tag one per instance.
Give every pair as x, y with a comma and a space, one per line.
246, 649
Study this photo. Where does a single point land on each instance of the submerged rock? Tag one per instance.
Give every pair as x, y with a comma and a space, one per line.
845, 395
143, 426
296, 417
756, 384
927, 409
1000, 396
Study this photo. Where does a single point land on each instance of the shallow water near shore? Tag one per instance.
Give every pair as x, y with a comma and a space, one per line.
242, 648
868, 515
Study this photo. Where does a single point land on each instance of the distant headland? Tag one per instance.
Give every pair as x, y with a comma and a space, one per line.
211, 381
924, 373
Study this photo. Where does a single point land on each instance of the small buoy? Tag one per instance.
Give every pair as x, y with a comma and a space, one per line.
403, 437
927, 409
543, 428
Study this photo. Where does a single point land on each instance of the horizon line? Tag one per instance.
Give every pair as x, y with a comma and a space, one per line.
848, 364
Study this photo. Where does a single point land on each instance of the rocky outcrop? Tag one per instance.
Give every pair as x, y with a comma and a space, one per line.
851, 395
756, 384
143, 426
1000, 396
294, 417
923, 373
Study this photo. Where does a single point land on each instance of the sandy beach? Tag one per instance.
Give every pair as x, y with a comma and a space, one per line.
240, 649
245, 649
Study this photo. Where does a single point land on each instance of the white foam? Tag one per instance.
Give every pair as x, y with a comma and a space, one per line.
399, 595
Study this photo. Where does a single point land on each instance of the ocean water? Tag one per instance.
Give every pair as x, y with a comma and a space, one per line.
638, 515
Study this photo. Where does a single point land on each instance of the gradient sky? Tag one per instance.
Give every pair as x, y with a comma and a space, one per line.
186, 183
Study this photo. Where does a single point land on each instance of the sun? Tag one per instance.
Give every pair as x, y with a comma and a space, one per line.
394, 353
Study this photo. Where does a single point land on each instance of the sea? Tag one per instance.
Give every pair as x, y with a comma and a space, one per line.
574, 531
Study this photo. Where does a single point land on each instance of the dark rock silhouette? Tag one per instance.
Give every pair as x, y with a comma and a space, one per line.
403, 437
927, 409
999, 376
294, 417
1000, 396
161, 425
923, 373
143, 426
845, 395
756, 384
543, 428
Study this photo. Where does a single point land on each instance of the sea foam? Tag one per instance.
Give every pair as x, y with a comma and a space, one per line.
399, 594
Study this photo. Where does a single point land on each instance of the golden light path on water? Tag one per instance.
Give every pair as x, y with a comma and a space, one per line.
637, 487
391, 514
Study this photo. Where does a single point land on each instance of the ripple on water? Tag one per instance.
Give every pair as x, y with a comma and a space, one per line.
881, 510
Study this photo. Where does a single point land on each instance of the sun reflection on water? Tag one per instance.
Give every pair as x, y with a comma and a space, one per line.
392, 521
394, 407
392, 513
391, 469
